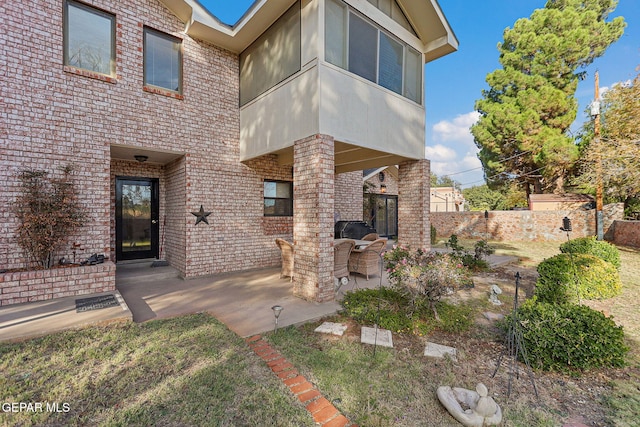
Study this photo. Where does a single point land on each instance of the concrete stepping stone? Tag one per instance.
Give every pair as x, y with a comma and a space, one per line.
331, 328
376, 336
440, 351
493, 316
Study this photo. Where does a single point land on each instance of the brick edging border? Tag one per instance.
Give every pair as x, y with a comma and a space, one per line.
322, 411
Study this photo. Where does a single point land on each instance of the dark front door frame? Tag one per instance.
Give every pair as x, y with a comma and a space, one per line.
387, 226
153, 250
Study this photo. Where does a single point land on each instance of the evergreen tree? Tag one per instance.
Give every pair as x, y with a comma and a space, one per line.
527, 111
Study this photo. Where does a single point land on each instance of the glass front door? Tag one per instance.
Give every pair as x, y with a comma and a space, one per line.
137, 226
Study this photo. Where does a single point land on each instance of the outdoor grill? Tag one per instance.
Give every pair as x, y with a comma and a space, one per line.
352, 229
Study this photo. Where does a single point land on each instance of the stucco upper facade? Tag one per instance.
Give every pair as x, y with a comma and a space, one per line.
372, 126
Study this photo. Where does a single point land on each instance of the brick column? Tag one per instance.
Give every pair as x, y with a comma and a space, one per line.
313, 205
413, 204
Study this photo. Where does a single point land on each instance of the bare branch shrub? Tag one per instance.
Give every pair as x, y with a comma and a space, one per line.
48, 211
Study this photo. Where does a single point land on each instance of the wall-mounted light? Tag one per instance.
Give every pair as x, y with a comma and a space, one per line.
141, 158
383, 188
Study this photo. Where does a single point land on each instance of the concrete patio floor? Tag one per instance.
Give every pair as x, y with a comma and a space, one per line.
241, 300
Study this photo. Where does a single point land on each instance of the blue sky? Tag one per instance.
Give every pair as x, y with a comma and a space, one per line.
453, 83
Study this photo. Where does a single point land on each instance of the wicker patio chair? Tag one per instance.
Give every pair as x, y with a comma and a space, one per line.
341, 252
286, 249
371, 237
368, 261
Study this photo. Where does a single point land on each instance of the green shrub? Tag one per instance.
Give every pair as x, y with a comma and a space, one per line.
390, 309
567, 278
433, 235
569, 337
591, 246
384, 307
475, 261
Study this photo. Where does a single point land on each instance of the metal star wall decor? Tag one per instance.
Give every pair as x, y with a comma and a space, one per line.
201, 215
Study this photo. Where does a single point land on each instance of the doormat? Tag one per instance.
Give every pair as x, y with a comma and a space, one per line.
96, 303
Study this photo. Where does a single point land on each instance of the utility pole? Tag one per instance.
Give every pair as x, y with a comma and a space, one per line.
599, 187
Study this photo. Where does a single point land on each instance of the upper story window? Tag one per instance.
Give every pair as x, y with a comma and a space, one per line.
356, 44
278, 198
272, 58
162, 60
89, 38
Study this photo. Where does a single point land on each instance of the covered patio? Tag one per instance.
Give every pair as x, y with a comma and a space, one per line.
241, 300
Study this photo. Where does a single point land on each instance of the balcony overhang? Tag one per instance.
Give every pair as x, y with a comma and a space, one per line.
349, 158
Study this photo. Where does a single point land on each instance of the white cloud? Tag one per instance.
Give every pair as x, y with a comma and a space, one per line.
440, 153
456, 129
452, 149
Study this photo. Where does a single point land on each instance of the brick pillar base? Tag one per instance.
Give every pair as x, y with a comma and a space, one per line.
313, 207
413, 204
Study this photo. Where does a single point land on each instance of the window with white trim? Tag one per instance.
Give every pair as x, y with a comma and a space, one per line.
356, 44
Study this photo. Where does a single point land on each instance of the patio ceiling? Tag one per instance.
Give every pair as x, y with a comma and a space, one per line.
349, 158
127, 152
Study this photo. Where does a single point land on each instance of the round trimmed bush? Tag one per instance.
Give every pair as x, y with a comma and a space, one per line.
591, 246
569, 277
569, 337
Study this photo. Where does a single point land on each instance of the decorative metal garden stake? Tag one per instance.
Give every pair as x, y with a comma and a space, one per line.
277, 309
515, 346
486, 226
566, 226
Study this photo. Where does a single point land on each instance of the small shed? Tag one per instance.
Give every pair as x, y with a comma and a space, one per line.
558, 202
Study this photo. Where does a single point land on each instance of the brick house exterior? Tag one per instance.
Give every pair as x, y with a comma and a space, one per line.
55, 115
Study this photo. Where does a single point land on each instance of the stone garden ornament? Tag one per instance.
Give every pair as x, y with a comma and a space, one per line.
470, 408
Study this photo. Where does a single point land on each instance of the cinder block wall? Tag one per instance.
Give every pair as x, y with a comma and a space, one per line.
521, 225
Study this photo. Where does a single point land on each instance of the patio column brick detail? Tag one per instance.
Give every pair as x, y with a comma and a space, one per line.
313, 208
413, 204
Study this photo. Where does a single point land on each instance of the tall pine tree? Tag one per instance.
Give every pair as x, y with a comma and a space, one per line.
527, 111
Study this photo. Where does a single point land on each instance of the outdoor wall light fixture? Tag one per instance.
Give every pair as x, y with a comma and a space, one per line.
383, 188
277, 309
140, 158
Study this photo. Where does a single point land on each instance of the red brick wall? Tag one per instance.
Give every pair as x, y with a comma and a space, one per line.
40, 285
626, 233
313, 223
413, 204
348, 196
53, 115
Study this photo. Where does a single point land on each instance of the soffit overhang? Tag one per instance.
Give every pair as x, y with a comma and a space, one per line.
425, 16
